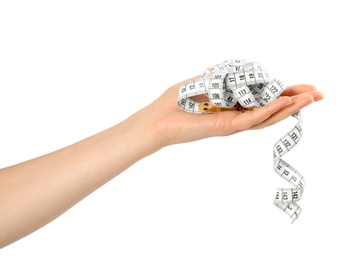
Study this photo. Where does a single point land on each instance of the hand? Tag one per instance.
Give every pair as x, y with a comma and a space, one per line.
173, 125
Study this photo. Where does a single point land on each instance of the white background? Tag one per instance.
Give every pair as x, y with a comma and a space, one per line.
69, 69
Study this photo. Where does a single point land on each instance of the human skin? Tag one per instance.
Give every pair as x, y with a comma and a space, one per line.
35, 192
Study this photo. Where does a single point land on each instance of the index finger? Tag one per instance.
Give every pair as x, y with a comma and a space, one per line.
298, 89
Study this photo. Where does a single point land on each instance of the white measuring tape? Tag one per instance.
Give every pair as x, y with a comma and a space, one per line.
236, 85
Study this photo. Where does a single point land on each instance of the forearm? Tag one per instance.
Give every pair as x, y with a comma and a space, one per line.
35, 192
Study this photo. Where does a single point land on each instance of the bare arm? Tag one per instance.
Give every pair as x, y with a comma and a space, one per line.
35, 192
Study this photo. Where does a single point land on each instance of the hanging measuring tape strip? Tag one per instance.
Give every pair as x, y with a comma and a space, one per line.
234, 85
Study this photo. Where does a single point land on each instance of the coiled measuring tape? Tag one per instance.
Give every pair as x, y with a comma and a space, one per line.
234, 85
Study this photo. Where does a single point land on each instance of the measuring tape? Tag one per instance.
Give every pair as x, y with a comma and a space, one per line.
235, 85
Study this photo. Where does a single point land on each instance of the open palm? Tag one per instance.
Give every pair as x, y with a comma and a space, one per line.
174, 125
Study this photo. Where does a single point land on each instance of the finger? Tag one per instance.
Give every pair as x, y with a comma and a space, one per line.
298, 89
285, 112
247, 120
317, 95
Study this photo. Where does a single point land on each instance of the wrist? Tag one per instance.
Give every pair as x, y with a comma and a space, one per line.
140, 134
